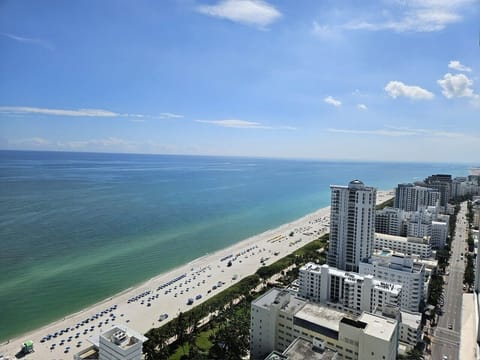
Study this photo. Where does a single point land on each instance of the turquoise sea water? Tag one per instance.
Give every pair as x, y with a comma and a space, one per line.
76, 228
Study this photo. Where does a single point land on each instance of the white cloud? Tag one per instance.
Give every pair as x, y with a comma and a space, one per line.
110, 142
57, 112
81, 113
170, 116
454, 86
456, 65
413, 16
362, 107
34, 141
398, 88
43, 43
397, 132
232, 123
322, 31
332, 101
250, 12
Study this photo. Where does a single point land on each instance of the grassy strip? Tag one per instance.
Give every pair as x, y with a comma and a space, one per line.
157, 345
388, 203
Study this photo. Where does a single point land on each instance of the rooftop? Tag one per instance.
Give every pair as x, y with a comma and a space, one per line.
378, 326
119, 335
417, 240
412, 319
282, 298
327, 317
301, 349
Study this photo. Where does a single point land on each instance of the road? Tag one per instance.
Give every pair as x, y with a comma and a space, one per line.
447, 333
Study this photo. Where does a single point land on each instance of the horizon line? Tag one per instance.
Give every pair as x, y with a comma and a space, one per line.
247, 157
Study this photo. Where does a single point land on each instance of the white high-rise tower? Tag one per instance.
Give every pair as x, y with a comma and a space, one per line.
352, 225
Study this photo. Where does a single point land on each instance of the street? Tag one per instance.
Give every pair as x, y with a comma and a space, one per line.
447, 333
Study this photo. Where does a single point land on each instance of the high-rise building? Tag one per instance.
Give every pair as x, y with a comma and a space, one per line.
410, 197
443, 184
346, 291
352, 225
391, 221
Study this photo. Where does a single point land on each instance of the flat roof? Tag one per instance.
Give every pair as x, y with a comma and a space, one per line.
378, 326
95, 339
301, 349
292, 303
319, 314
412, 319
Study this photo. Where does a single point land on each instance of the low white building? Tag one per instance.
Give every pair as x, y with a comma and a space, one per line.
277, 317
372, 336
346, 290
399, 269
410, 325
117, 343
272, 322
420, 224
406, 245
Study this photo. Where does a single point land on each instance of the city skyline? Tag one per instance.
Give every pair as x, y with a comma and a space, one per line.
390, 81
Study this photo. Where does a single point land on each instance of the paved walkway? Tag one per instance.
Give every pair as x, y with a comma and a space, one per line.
468, 338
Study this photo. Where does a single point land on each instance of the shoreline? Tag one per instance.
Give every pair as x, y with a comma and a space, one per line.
140, 306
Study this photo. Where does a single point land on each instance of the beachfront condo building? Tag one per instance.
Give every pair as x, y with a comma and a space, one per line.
410, 197
352, 225
443, 184
346, 291
400, 269
278, 318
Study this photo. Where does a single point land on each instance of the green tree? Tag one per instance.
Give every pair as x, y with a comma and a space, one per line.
232, 338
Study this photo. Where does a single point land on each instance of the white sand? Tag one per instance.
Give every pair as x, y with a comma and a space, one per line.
200, 276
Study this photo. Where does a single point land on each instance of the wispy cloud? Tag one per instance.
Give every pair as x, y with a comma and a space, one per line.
322, 31
397, 88
57, 112
82, 113
456, 65
170, 116
232, 123
413, 16
108, 142
250, 12
362, 107
332, 101
397, 132
243, 124
39, 42
33, 141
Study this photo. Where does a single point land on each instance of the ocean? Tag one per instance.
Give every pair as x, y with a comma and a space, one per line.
76, 228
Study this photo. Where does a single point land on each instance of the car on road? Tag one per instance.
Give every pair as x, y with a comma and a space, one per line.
450, 327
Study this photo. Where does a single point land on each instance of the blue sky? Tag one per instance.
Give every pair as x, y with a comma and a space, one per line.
367, 80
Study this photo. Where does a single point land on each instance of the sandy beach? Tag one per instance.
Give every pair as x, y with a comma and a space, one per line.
140, 307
